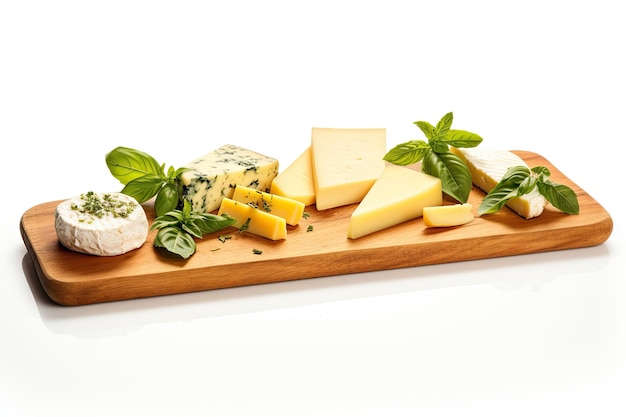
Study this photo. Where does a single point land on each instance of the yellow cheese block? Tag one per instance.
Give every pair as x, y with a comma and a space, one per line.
288, 209
398, 195
255, 221
346, 163
446, 216
296, 181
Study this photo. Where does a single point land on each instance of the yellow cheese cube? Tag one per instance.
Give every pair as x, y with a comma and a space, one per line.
446, 216
288, 209
346, 163
398, 195
296, 181
257, 222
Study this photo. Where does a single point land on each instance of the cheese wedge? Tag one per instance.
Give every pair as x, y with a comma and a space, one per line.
447, 216
488, 166
288, 209
255, 221
398, 195
346, 163
215, 175
296, 181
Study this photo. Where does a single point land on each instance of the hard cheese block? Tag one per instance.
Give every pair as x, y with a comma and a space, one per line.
346, 163
296, 181
215, 176
288, 209
398, 195
488, 166
447, 216
255, 221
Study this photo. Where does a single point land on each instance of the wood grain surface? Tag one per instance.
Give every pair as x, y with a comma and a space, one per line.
71, 278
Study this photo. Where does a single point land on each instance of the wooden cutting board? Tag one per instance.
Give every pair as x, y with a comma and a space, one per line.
70, 278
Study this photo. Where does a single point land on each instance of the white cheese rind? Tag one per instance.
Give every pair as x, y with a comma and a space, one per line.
101, 236
214, 176
488, 166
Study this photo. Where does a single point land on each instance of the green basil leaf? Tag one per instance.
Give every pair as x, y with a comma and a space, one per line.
166, 220
506, 189
443, 126
560, 196
166, 200
143, 188
438, 146
407, 153
456, 180
210, 223
429, 130
191, 228
127, 164
462, 139
175, 241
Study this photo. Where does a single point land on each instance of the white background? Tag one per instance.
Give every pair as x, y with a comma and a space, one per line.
538, 335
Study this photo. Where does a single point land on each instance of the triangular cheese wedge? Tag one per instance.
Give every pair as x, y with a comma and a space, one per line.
398, 195
296, 181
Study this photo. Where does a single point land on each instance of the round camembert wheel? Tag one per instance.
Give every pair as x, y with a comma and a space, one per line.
103, 224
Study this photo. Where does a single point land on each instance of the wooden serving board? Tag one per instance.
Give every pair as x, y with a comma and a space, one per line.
71, 278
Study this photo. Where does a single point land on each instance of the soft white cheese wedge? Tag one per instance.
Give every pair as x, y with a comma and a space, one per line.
448, 216
398, 195
103, 224
488, 166
215, 176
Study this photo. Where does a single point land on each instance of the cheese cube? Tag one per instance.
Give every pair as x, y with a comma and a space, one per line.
346, 163
488, 166
447, 216
296, 181
288, 209
400, 194
256, 221
215, 176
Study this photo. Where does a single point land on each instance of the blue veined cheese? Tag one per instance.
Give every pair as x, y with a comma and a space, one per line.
214, 176
488, 166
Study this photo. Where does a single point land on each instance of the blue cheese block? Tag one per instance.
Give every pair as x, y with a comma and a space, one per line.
213, 177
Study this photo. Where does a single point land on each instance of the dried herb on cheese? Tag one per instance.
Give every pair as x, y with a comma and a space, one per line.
436, 157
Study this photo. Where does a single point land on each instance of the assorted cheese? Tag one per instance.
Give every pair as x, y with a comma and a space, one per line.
447, 216
290, 210
488, 166
398, 195
296, 181
253, 220
103, 224
215, 175
345, 164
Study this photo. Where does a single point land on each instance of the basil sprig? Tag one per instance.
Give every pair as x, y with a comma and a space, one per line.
143, 178
178, 228
437, 160
521, 180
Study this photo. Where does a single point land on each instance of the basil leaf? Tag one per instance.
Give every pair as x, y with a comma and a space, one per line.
191, 228
456, 180
438, 146
164, 221
127, 164
443, 126
210, 223
506, 189
560, 196
429, 130
462, 139
143, 188
175, 241
407, 153
166, 200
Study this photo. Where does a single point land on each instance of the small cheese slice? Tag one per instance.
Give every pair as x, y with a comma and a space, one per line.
215, 176
447, 216
488, 166
255, 221
346, 163
398, 195
296, 181
103, 224
288, 209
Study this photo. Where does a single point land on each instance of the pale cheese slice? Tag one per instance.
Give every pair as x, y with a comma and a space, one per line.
346, 163
398, 195
447, 216
296, 181
488, 166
